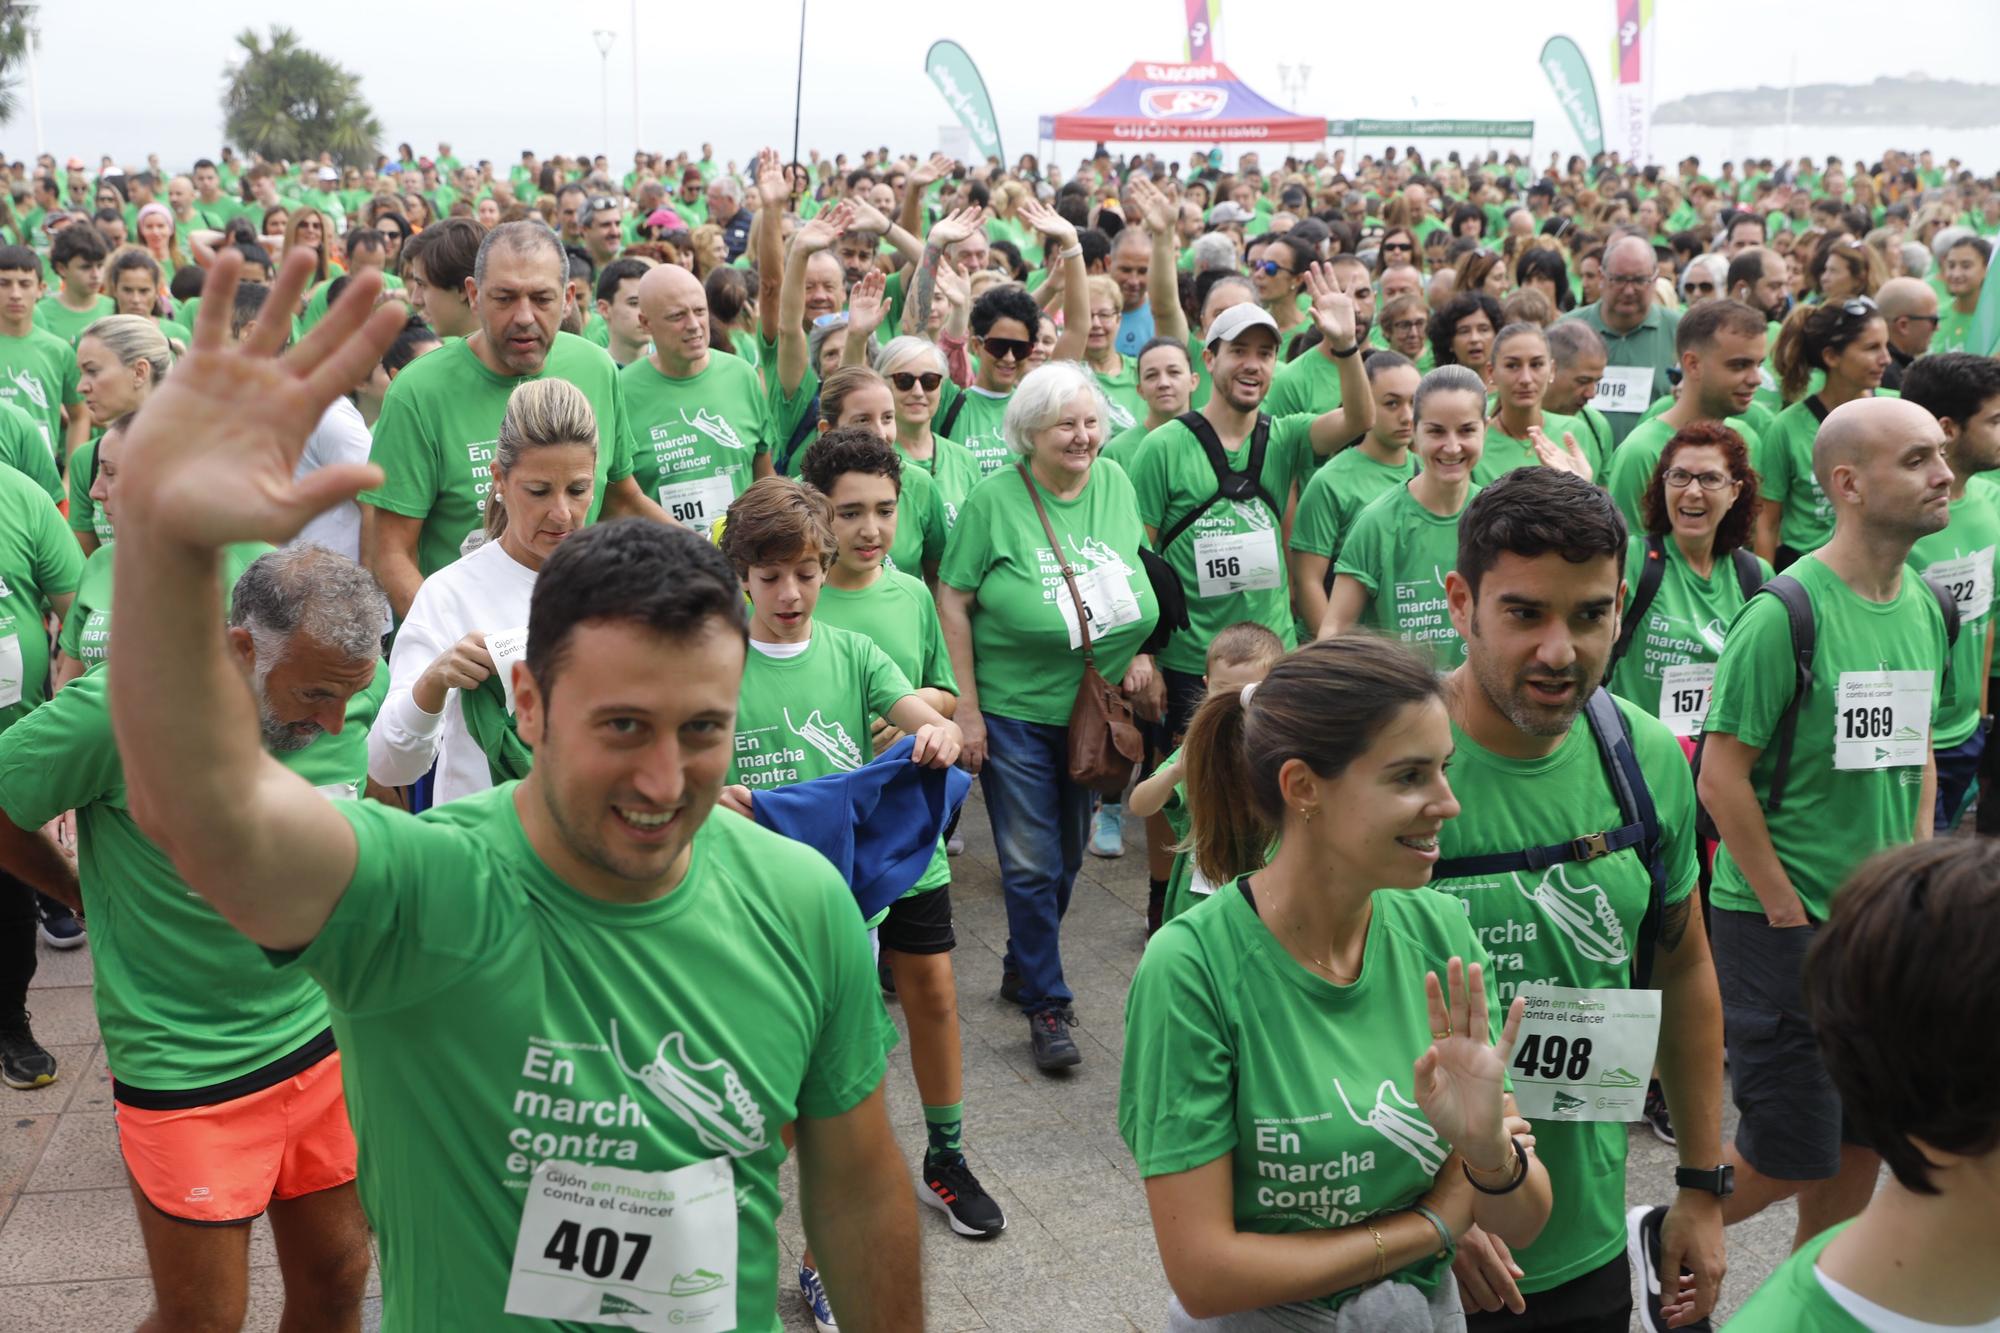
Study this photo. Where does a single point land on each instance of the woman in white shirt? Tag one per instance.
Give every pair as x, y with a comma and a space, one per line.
544, 467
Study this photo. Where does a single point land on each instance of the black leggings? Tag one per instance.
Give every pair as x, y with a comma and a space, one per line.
18, 919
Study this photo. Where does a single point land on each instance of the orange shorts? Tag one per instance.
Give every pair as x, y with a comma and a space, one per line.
225, 1162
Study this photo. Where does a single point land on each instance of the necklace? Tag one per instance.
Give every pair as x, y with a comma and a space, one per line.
1323, 965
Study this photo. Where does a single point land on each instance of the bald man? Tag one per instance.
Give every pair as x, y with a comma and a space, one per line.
701, 432
1638, 335
1910, 308
1860, 778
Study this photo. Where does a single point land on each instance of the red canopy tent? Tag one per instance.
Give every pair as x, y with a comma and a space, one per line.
1203, 103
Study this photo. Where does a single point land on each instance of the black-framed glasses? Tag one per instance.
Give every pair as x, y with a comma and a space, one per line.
1398, 245
1932, 320
1007, 349
905, 380
1408, 326
1678, 477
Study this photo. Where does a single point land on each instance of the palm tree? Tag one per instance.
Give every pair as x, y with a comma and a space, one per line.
285, 102
17, 29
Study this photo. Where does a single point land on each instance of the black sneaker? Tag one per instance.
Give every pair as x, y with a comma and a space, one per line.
1656, 1115
1048, 1034
952, 1189
60, 928
1010, 985
1642, 1246
23, 1062
887, 976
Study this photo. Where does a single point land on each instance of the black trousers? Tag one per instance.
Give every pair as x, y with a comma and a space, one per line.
18, 919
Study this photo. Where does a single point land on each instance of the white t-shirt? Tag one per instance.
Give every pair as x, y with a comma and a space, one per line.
488, 591
1881, 1319
340, 437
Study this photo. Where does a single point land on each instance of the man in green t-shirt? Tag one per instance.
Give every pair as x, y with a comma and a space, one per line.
1901, 972
213, 210
1638, 335
225, 1077
699, 422
532, 1065
434, 440
1534, 597
1576, 357
1859, 778
38, 370
618, 319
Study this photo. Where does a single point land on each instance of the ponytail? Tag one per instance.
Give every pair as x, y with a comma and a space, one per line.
1228, 831
1788, 356
540, 412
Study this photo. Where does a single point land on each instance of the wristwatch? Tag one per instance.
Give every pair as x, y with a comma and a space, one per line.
1719, 1181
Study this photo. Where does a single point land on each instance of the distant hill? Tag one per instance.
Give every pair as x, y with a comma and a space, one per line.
1907, 100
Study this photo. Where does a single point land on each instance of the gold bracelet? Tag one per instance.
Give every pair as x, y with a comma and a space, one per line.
1381, 1253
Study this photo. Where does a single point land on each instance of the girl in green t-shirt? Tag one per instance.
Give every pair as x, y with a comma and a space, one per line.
1519, 370
1849, 341
1310, 1049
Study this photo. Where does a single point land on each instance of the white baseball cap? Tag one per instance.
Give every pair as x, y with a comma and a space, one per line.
1237, 320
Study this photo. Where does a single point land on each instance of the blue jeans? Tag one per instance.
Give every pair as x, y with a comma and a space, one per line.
1040, 822
1957, 769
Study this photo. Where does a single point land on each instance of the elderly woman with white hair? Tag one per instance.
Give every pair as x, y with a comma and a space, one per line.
916, 371
1017, 650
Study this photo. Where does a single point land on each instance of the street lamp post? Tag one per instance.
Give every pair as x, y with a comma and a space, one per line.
604, 38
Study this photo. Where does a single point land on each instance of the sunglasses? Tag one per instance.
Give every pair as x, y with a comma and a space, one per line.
1397, 245
1268, 267
1707, 287
906, 380
1007, 349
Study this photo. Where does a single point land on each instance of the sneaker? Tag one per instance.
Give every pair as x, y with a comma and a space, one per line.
1048, 1034
955, 845
1107, 838
1642, 1246
23, 1062
815, 1293
887, 976
1656, 1115
1010, 985
60, 929
952, 1189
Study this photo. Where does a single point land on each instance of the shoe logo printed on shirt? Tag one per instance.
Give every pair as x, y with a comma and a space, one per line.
695, 1283
829, 738
674, 1080
30, 388
1581, 912
1395, 1123
1092, 553
1256, 515
713, 426
1713, 634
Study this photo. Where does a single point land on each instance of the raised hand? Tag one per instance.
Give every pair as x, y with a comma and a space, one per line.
1458, 1080
1048, 222
213, 452
1332, 309
822, 231
1567, 457
867, 217
1156, 211
929, 173
774, 188
865, 305
954, 227
954, 285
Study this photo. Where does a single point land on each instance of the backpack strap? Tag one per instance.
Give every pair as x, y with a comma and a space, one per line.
951, 415
1648, 587
1749, 574
1229, 483
1805, 636
1949, 605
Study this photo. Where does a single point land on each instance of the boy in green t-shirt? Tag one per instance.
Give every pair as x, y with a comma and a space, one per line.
78, 257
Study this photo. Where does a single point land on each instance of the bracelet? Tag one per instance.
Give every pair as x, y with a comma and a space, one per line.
1352, 348
1445, 1243
1381, 1254
1073, 252
1520, 1174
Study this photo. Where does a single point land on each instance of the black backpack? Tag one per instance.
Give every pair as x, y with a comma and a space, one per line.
1805, 636
1749, 577
1230, 484
1641, 830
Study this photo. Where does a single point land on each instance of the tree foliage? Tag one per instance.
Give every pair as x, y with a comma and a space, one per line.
286, 102
17, 29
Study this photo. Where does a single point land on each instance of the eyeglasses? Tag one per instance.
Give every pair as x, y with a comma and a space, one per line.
1709, 481
906, 380
1397, 245
1408, 326
1932, 320
1269, 267
1007, 349
1628, 279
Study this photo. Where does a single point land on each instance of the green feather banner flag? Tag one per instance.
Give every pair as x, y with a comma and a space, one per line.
1576, 90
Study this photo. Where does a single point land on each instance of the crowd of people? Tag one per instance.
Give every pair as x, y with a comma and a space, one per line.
1537, 621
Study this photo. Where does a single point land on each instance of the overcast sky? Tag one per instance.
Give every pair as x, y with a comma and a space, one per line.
496, 76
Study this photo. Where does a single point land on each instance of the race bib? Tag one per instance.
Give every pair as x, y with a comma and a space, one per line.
1882, 719
473, 541
507, 647
1969, 579
697, 503
1585, 1054
634, 1249
1240, 562
10, 670
1624, 389
1107, 601
1684, 693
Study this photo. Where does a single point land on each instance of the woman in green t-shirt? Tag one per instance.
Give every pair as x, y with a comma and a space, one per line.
1461, 332
120, 359
1015, 638
1698, 508
916, 372
1309, 1051
1849, 341
1519, 370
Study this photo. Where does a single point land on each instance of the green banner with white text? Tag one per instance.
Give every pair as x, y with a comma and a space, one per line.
957, 78
1576, 90
1432, 129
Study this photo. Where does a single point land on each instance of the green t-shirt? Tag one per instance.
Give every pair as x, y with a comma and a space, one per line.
792, 417
1025, 665
694, 440
807, 716
921, 528
1794, 1298
1310, 383
491, 1017
1631, 468
1181, 888
1503, 453
1686, 625
596, 331
1831, 819
1954, 330
1231, 1046
1963, 558
23, 449
67, 324
1351, 480
168, 1023
39, 375
897, 615
86, 630
39, 561
440, 421
85, 514
977, 426
1649, 345
1399, 552
1572, 925
1126, 409
1229, 560
953, 472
